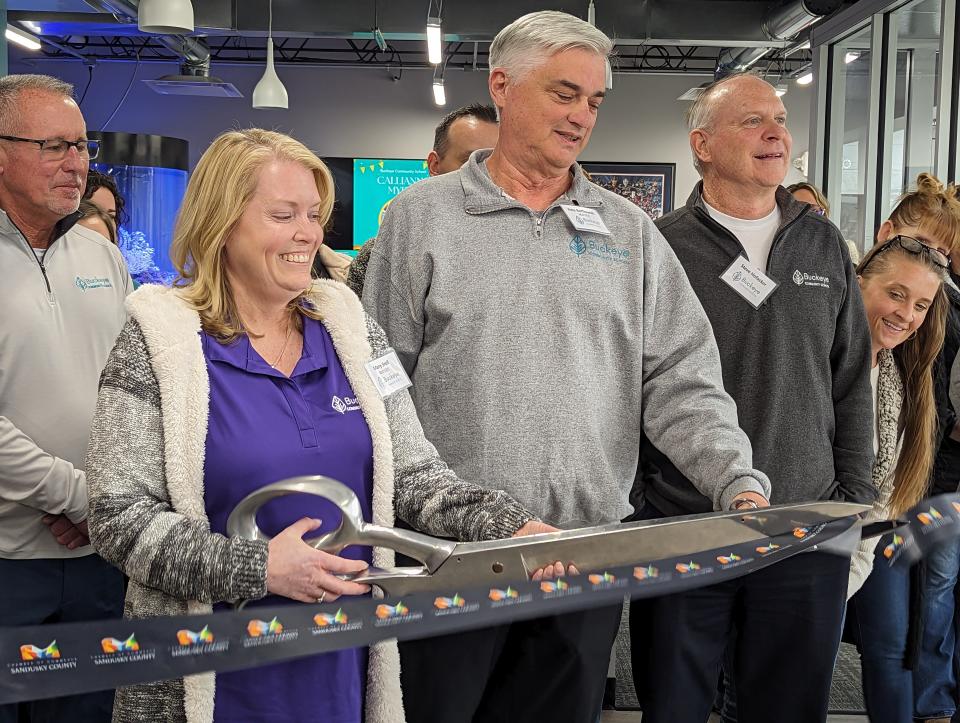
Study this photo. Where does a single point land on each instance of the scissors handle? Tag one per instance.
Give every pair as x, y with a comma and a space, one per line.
352, 530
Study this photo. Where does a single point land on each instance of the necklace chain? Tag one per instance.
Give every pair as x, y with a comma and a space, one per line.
283, 349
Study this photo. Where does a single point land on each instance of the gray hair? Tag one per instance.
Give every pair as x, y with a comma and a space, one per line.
701, 112
11, 86
531, 39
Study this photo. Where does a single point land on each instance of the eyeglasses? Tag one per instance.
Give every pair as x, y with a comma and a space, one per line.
56, 149
913, 246
819, 210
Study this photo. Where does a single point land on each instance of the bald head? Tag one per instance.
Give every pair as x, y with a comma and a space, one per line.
739, 139
701, 111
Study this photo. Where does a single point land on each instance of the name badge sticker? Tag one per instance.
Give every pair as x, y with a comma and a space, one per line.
585, 219
748, 281
387, 374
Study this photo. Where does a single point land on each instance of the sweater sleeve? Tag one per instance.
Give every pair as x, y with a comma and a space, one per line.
850, 360
33, 477
686, 412
132, 522
358, 268
428, 495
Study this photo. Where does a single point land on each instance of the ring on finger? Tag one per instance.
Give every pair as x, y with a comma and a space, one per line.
322, 596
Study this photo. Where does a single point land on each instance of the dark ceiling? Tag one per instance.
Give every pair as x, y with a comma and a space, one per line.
654, 36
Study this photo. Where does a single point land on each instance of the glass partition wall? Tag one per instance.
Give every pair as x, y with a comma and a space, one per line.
911, 144
850, 114
886, 74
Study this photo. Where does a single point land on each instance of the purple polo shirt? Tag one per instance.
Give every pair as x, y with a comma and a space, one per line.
264, 427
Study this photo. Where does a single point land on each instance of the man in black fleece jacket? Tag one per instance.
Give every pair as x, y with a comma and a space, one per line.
778, 286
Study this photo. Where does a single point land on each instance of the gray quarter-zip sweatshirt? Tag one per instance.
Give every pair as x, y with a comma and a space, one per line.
58, 322
798, 367
538, 353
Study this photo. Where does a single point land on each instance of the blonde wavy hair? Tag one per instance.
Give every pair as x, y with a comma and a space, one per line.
817, 194
933, 207
219, 190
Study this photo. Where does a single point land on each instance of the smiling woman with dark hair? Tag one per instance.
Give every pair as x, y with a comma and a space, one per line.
102, 191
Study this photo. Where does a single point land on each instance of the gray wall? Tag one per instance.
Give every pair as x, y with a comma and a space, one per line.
360, 112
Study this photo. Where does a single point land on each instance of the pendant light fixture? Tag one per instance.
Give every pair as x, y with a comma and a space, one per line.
165, 17
270, 92
439, 93
434, 33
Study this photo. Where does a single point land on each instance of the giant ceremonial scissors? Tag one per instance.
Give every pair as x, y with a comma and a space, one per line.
449, 565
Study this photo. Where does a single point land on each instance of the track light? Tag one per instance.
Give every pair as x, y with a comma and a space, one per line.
850, 57
165, 17
805, 79
781, 89
380, 40
434, 41
270, 92
24, 40
439, 94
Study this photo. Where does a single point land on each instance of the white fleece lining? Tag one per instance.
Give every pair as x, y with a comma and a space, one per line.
184, 403
185, 391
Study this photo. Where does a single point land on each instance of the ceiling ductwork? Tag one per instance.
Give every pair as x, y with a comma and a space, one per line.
781, 23
652, 36
194, 77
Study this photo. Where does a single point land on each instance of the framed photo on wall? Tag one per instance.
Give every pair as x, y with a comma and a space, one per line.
649, 185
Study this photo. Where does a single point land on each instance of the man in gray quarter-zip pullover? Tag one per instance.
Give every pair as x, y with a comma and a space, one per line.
777, 284
545, 322
61, 309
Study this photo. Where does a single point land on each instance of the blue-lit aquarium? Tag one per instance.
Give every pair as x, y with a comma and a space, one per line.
151, 174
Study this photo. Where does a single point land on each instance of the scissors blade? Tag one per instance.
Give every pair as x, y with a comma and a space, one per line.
593, 549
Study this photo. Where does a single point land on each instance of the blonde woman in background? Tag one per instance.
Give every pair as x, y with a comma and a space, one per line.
902, 280
935, 211
808, 193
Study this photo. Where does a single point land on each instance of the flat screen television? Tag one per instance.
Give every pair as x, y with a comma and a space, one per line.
364, 189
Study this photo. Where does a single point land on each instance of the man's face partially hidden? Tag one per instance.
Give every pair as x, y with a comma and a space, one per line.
464, 136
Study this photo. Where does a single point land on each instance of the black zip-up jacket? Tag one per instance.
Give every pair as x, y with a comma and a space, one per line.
798, 367
946, 469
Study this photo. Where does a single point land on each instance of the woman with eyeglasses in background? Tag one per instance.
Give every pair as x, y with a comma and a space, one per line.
902, 280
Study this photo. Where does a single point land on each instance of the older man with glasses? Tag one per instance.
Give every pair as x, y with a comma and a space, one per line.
62, 308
